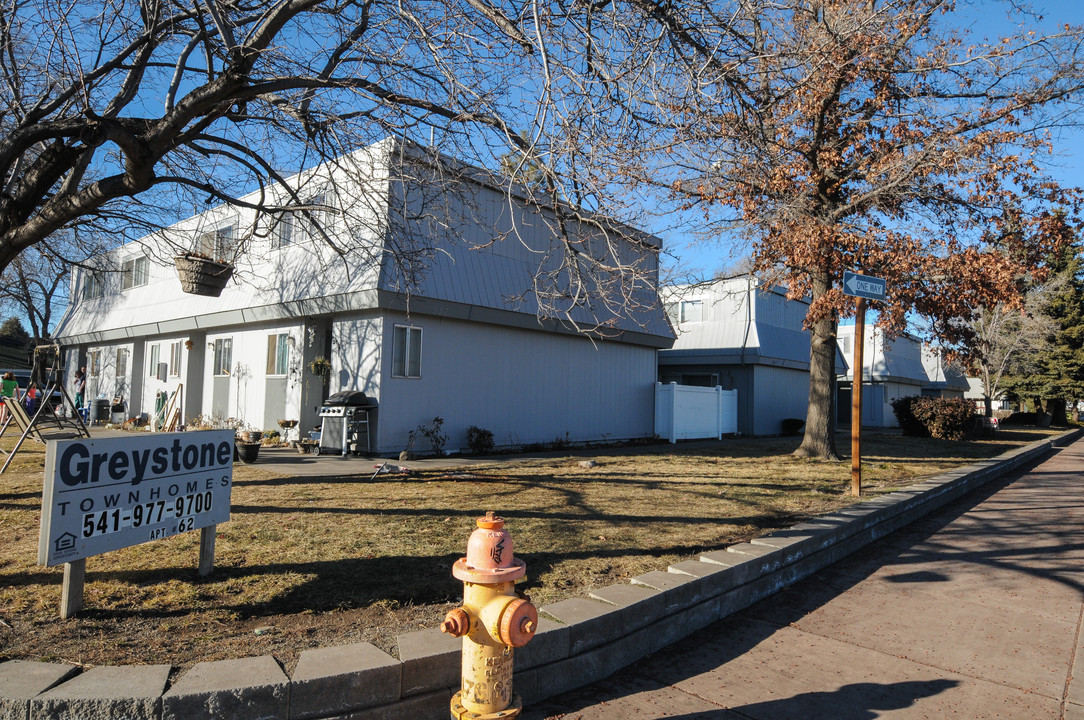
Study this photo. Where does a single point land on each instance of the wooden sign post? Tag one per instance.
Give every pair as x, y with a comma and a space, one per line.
856, 399
862, 287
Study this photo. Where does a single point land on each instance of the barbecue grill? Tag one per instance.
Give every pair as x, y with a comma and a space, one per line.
345, 415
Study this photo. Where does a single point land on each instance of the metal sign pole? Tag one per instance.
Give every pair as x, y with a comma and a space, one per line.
856, 398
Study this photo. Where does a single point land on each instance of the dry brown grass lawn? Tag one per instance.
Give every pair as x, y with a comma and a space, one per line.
308, 561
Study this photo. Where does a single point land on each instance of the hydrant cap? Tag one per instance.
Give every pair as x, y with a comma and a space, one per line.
489, 554
490, 521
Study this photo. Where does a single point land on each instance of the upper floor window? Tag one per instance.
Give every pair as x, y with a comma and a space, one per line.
406, 352
284, 231
218, 243
691, 311
223, 356
306, 219
134, 272
93, 284
278, 354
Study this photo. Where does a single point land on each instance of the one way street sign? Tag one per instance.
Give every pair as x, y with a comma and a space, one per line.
863, 286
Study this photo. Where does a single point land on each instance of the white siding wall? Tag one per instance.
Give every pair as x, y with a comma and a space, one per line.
894, 391
356, 353
525, 387
265, 274
247, 398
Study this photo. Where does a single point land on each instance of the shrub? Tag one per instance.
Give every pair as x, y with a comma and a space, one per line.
904, 409
479, 440
792, 426
431, 432
941, 418
946, 418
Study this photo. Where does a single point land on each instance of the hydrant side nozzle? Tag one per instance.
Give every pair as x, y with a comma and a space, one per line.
518, 623
456, 623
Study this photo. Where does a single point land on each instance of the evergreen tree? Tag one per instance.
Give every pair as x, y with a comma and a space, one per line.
1052, 378
13, 332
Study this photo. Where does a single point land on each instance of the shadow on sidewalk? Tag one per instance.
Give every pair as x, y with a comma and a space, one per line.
860, 701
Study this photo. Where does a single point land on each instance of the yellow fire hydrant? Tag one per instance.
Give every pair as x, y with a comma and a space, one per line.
492, 621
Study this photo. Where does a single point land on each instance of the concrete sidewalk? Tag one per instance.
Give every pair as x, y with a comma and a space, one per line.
973, 612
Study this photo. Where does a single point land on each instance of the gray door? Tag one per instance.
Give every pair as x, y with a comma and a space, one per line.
274, 403
220, 396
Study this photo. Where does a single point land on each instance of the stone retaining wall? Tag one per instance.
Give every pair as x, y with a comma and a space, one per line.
579, 640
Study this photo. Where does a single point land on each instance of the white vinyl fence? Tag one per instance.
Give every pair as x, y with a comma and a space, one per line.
684, 412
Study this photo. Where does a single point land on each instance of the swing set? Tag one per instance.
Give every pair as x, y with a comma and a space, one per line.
47, 380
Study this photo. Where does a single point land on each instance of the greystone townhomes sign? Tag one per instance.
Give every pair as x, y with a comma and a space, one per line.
110, 493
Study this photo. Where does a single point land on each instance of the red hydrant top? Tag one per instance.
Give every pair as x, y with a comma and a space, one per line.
489, 554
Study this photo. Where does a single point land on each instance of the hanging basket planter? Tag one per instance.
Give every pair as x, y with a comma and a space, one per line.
201, 275
320, 366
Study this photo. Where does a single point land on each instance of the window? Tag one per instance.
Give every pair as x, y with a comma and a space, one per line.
318, 215
134, 273
94, 363
700, 379
278, 354
223, 356
846, 343
218, 243
692, 311
93, 285
175, 359
406, 352
304, 220
283, 231
122, 362
152, 369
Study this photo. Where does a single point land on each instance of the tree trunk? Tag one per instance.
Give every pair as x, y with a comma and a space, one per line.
987, 391
1055, 407
820, 420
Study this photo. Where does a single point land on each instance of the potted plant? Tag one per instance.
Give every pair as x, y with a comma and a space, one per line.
201, 275
320, 366
246, 451
251, 436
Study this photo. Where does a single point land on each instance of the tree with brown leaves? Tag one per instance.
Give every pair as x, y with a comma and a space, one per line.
867, 135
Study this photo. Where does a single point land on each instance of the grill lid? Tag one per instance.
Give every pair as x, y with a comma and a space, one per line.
352, 398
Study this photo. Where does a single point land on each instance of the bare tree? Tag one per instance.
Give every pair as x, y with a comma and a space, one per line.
124, 116
874, 135
36, 284
1005, 337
